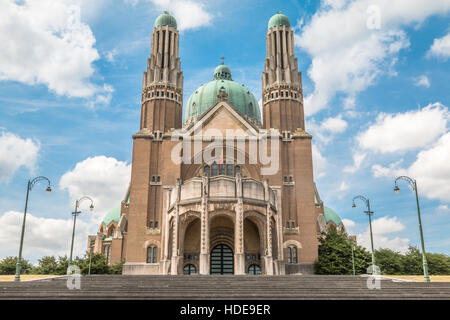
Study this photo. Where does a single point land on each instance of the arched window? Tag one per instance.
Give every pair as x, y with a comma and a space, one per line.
189, 269
287, 224
294, 254
111, 232
152, 254
156, 224
250, 108
214, 169
237, 170
229, 169
206, 170
254, 269
222, 169
292, 225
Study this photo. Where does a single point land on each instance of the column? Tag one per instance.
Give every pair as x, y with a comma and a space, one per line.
175, 243
239, 255
166, 226
204, 230
268, 260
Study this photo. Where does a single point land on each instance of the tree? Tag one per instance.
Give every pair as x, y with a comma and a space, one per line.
99, 265
438, 263
117, 268
412, 261
46, 265
8, 266
335, 255
389, 262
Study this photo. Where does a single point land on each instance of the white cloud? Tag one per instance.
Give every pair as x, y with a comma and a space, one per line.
319, 162
443, 208
440, 48
45, 42
405, 131
348, 223
358, 158
381, 229
348, 56
422, 81
334, 125
15, 153
431, 169
111, 55
189, 14
103, 179
43, 236
327, 129
343, 186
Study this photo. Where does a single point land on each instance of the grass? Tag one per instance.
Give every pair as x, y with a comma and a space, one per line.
25, 277
420, 278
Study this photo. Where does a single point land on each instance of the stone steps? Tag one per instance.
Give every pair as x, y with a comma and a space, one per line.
222, 287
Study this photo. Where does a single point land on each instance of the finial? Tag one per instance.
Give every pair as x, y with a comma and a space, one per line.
222, 57
166, 12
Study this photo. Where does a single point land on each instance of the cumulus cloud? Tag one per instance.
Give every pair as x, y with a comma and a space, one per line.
327, 129
45, 42
440, 48
103, 179
358, 158
348, 223
352, 43
319, 161
15, 153
190, 14
43, 236
431, 170
405, 131
382, 228
422, 81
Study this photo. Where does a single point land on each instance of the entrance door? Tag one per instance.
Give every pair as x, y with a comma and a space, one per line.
222, 260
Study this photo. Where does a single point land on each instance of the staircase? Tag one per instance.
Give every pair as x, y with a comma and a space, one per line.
223, 287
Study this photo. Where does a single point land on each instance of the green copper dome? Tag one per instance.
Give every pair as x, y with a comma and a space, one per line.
238, 96
166, 20
279, 19
331, 215
112, 215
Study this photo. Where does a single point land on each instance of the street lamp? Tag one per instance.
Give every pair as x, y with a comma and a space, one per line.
413, 185
369, 213
75, 214
30, 185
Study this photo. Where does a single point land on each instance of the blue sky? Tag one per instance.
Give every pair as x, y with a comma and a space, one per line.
376, 86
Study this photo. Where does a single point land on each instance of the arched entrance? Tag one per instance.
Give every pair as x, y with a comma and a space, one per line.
222, 260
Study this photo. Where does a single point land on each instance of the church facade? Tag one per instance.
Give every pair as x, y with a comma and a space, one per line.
229, 189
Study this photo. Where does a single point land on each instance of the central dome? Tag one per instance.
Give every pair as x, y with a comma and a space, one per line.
238, 95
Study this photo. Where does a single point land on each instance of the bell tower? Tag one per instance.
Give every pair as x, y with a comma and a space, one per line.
162, 92
282, 98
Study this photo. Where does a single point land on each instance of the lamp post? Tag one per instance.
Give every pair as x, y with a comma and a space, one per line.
30, 185
413, 185
75, 214
369, 213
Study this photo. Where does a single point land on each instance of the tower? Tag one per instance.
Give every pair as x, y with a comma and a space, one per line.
281, 82
162, 91
282, 101
161, 111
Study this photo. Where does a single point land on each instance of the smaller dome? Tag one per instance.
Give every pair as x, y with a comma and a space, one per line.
279, 19
166, 20
331, 215
112, 215
222, 72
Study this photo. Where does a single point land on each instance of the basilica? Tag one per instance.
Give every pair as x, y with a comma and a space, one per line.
223, 187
